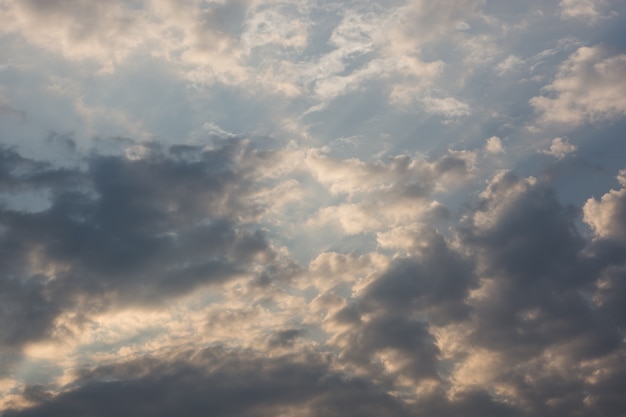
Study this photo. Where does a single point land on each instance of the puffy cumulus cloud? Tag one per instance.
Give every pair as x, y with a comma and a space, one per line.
607, 216
493, 145
559, 148
589, 88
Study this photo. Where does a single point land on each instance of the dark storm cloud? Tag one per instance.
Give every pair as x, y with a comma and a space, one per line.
220, 383
121, 231
538, 304
533, 252
223, 383
27, 310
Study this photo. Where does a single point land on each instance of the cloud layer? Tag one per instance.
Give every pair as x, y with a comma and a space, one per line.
261, 208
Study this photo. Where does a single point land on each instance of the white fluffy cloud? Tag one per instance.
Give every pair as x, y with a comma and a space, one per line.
590, 87
494, 145
607, 216
559, 148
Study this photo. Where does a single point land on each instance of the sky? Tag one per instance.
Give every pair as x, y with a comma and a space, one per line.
312, 208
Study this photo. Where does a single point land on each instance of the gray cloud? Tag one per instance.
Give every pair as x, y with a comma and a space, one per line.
433, 284
122, 231
532, 307
239, 384
220, 383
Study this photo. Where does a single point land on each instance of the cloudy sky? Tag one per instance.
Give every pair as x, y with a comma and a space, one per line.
312, 208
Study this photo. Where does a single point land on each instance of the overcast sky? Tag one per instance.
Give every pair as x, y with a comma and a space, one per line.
312, 208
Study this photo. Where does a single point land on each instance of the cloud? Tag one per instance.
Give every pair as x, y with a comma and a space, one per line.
494, 145
78, 30
108, 34
258, 44
330, 270
386, 193
528, 310
559, 148
606, 216
125, 231
508, 64
510, 311
227, 383
383, 332
400, 176
589, 88
586, 10
433, 282
449, 106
